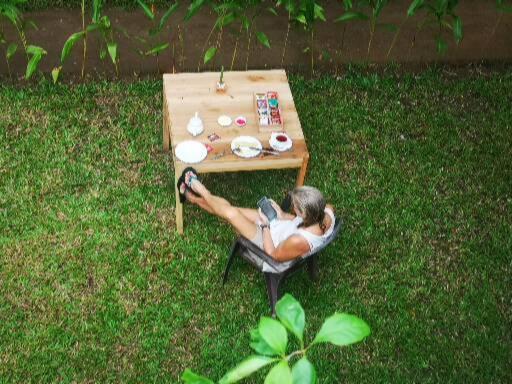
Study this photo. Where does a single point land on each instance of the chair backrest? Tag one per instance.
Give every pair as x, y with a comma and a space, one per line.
338, 224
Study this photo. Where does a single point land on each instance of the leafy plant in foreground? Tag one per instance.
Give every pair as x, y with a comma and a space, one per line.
270, 342
100, 24
442, 14
9, 11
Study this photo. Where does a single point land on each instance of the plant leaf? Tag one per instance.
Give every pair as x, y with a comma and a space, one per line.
157, 49
415, 5
112, 51
272, 11
303, 372
279, 374
457, 29
92, 27
96, 10
193, 8
210, 53
442, 46
55, 74
274, 334
68, 45
342, 329
263, 39
167, 15
190, 377
347, 16
292, 316
32, 64
259, 345
146, 9
11, 50
246, 368
319, 12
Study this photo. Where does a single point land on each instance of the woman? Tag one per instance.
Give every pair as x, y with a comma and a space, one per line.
286, 238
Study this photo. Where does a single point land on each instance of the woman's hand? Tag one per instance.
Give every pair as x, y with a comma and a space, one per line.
280, 213
263, 218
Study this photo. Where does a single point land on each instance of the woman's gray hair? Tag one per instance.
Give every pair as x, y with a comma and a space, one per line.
310, 203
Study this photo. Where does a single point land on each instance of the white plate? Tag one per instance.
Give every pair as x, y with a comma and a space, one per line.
224, 121
244, 142
280, 146
191, 152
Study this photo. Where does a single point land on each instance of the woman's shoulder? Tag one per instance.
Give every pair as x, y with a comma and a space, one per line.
329, 207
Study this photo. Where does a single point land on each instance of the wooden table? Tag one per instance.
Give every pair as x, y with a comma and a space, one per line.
187, 93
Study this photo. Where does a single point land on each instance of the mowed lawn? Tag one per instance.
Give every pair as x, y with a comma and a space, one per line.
95, 286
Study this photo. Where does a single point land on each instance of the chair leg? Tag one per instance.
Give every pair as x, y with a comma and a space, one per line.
312, 268
234, 250
273, 280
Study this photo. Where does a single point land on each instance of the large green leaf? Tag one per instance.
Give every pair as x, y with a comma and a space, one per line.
112, 51
415, 5
263, 39
68, 45
190, 377
303, 372
157, 49
259, 345
348, 16
342, 329
210, 53
246, 368
292, 316
147, 11
11, 50
279, 374
274, 334
457, 29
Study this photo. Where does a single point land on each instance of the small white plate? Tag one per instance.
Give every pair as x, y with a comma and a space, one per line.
245, 145
191, 152
280, 146
224, 121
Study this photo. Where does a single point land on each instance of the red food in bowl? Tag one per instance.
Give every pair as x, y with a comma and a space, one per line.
240, 121
281, 138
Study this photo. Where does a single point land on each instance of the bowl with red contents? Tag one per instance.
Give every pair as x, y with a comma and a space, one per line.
241, 121
280, 141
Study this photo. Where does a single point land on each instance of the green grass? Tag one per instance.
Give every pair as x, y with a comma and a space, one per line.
96, 286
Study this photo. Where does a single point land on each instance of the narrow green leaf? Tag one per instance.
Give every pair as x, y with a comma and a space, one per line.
55, 74
146, 9
442, 46
272, 11
348, 16
303, 372
157, 49
342, 329
92, 27
210, 53
2, 38
259, 345
457, 29
415, 5
279, 374
167, 15
319, 12
301, 18
263, 39
112, 51
292, 316
190, 377
11, 50
193, 8
274, 334
246, 368
103, 53
68, 45
33, 64
35, 50
96, 10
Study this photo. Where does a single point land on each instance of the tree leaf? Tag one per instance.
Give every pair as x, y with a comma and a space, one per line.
279, 374
348, 16
292, 316
342, 329
210, 53
274, 334
263, 39
68, 45
146, 9
112, 51
11, 50
303, 372
167, 15
259, 345
157, 49
190, 377
415, 5
457, 29
246, 368
55, 74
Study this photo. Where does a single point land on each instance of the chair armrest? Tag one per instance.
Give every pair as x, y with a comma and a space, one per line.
258, 251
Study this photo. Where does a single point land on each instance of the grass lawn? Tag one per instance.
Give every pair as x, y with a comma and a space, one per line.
95, 286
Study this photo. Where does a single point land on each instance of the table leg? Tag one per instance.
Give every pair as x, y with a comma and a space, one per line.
302, 171
179, 206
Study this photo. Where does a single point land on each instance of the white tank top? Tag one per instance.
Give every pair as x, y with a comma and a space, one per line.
280, 230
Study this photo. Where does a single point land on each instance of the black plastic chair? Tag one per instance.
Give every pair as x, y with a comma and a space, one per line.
273, 271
